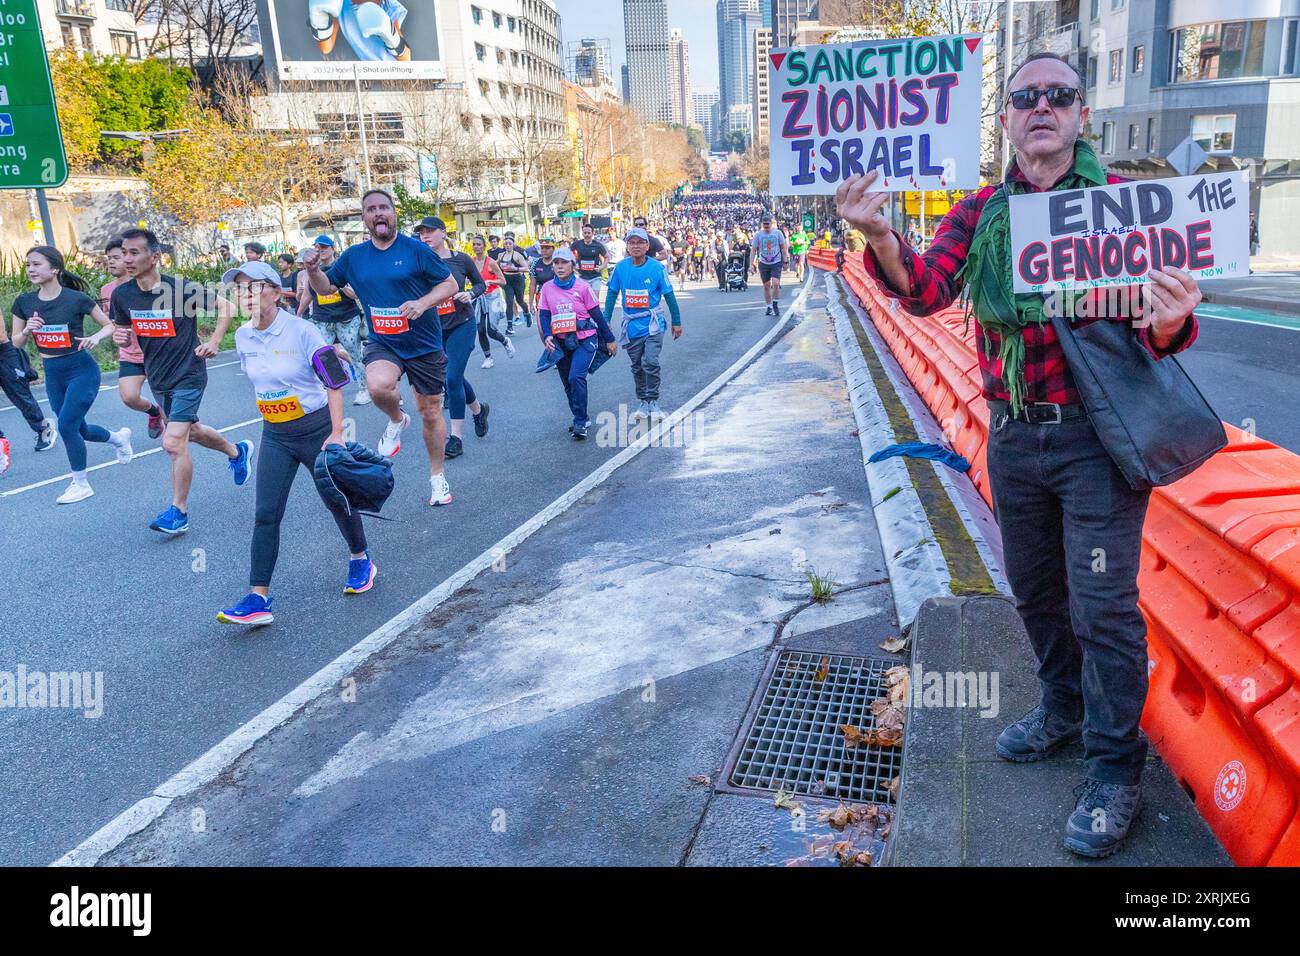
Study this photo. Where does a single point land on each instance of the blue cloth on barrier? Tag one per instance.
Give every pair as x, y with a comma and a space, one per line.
920, 449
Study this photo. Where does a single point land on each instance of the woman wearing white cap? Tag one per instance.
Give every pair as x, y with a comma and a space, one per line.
298, 380
570, 320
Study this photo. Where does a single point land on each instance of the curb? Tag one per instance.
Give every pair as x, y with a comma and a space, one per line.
916, 565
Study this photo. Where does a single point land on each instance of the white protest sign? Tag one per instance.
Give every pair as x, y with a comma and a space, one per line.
1114, 235
908, 108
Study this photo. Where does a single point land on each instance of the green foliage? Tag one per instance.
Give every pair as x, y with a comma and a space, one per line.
411, 208
112, 93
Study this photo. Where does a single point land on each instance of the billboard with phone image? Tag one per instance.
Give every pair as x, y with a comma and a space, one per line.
369, 39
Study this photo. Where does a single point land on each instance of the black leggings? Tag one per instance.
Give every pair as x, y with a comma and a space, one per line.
487, 330
285, 446
514, 290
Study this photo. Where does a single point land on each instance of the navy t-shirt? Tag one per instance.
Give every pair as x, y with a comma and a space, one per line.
385, 278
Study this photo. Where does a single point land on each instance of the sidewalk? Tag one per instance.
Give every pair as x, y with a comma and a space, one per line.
553, 711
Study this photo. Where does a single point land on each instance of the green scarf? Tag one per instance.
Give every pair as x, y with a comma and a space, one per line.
987, 272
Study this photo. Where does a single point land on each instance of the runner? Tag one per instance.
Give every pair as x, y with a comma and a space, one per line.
130, 360
163, 313
302, 413
402, 283
658, 248
643, 282
678, 248
591, 257
514, 266
491, 306
718, 257
770, 252
571, 320
288, 281
799, 242
614, 247
54, 315
337, 316
540, 272
458, 333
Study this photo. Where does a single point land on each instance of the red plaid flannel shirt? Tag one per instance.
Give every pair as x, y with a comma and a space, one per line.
1047, 376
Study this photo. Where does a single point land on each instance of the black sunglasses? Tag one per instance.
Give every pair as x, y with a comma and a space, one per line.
1058, 97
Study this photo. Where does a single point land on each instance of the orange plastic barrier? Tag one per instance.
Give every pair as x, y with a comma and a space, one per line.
1219, 589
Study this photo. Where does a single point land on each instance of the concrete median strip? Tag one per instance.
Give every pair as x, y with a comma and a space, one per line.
210, 765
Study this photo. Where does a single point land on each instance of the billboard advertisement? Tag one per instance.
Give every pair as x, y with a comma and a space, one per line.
369, 39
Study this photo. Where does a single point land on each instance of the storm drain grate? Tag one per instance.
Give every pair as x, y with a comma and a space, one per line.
795, 743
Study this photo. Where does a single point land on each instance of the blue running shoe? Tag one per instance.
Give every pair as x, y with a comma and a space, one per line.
242, 466
253, 611
361, 575
171, 521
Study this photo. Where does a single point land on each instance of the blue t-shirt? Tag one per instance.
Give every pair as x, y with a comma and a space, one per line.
385, 278
640, 288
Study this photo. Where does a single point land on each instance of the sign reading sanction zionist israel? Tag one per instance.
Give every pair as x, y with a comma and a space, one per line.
909, 109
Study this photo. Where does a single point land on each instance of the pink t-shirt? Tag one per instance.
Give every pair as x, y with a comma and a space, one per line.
568, 304
131, 352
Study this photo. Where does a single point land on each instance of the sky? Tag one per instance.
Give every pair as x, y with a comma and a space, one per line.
603, 19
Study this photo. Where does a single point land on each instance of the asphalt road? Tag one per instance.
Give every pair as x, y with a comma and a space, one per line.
92, 589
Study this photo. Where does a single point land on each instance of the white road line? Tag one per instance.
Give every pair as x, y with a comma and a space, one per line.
208, 766
111, 464
104, 388
1211, 313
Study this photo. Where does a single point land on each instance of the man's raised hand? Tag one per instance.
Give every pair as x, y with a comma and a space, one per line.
856, 203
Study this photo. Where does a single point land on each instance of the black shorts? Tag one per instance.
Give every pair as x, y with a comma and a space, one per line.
769, 272
128, 369
426, 373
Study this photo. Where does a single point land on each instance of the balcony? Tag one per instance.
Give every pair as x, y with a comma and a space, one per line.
76, 9
1063, 41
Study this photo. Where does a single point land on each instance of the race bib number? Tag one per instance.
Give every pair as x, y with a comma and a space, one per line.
153, 324
636, 300
389, 321
53, 337
447, 308
587, 265
563, 323
334, 298
279, 406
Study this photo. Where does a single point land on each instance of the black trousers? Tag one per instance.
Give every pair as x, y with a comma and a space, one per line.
285, 447
1071, 533
16, 388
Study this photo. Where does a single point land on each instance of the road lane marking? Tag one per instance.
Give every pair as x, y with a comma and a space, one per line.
209, 765
110, 464
104, 388
1214, 311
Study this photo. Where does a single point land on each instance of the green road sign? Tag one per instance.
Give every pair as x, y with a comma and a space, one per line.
808, 222
31, 144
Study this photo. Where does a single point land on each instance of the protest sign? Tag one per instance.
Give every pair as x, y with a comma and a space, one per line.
908, 108
1114, 235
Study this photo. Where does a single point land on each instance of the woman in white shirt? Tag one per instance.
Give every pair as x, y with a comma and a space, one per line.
302, 413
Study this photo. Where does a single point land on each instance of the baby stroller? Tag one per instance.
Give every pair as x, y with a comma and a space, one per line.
736, 272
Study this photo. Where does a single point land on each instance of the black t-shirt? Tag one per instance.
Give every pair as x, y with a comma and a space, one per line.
588, 252
64, 318
455, 314
496, 253
542, 273
166, 324
289, 284
656, 247
679, 249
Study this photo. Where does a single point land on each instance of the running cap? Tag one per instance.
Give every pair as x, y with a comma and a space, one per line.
563, 254
430, 222
637, 233
256, 270
323, 241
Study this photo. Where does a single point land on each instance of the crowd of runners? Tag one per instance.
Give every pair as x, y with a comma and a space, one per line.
394, 306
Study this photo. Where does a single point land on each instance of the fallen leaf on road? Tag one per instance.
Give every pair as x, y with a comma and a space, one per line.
890, 493
823, 669
882, 737
703, 779
892, 787
894, 644
786, 801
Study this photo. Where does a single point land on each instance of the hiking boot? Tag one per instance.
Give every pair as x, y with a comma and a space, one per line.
1102, 817
1035, 736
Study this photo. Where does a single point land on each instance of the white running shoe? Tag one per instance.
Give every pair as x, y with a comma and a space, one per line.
49, 436
4, 455
656, 411
363, 397
121, 442
440, 491
391, 443
642, 411
77, 491
487, 362
510, 349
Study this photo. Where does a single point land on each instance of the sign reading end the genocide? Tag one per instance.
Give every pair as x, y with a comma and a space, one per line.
1115, 235
909, 109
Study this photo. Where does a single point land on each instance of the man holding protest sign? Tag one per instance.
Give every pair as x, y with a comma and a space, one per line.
1071, 520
